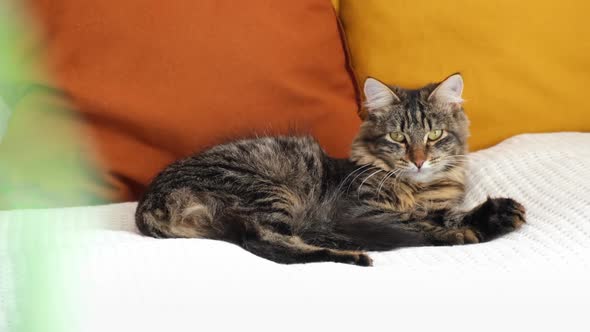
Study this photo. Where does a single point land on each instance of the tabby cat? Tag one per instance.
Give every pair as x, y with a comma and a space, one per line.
284, 199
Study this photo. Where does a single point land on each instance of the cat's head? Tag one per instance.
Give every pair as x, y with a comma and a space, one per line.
420, 134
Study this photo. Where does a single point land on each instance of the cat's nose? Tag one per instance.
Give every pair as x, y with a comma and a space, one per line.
418, 156
419, 163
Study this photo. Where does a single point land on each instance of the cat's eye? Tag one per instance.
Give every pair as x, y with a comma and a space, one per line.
397, 137
433, 135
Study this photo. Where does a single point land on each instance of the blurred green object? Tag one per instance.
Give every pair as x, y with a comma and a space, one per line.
11, 69
4, 115
44, 155
42, 164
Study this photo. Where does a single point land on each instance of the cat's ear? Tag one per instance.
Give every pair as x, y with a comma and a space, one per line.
378, 95
448, 91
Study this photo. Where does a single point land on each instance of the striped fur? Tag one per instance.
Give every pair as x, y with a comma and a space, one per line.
285, 199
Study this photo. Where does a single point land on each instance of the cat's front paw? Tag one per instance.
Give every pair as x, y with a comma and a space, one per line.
496, 217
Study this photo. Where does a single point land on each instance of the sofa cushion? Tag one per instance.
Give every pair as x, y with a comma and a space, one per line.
525, 63
156, 80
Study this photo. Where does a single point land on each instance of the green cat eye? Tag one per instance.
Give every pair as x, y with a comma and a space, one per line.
397, 137
435, 134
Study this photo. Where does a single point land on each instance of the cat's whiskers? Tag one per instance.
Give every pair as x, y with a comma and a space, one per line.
388, 174
359, 174
452, 161
456, 157
351, 173
455, 162
385, 177
365, 180
398, 179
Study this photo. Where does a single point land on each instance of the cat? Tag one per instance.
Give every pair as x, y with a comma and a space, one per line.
284, 199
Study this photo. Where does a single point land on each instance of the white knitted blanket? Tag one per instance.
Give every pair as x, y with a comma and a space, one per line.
535, 278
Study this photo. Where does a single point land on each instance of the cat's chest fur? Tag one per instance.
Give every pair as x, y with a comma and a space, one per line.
402, 195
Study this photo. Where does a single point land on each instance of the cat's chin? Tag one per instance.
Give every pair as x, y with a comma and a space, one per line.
428, 173
421, 176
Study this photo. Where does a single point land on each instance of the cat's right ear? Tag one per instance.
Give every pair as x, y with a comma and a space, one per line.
378, 95
449, 91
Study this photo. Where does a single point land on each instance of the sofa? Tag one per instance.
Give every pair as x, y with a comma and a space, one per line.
113, 91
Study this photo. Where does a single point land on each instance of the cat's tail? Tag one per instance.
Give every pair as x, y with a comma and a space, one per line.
288, 248
368, 234
379, 235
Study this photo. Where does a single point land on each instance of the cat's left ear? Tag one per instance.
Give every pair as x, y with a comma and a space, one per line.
378, 95
448, 91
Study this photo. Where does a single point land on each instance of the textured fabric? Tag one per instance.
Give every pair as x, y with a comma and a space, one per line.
540, 270
524, 63
158, 80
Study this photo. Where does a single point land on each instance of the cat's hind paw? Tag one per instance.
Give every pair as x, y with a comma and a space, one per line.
352, 257
364, 260
466, 236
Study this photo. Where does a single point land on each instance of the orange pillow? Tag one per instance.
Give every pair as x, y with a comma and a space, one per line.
159, 80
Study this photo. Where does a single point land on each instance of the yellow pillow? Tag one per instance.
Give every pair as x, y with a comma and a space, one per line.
526, 64
336, 4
